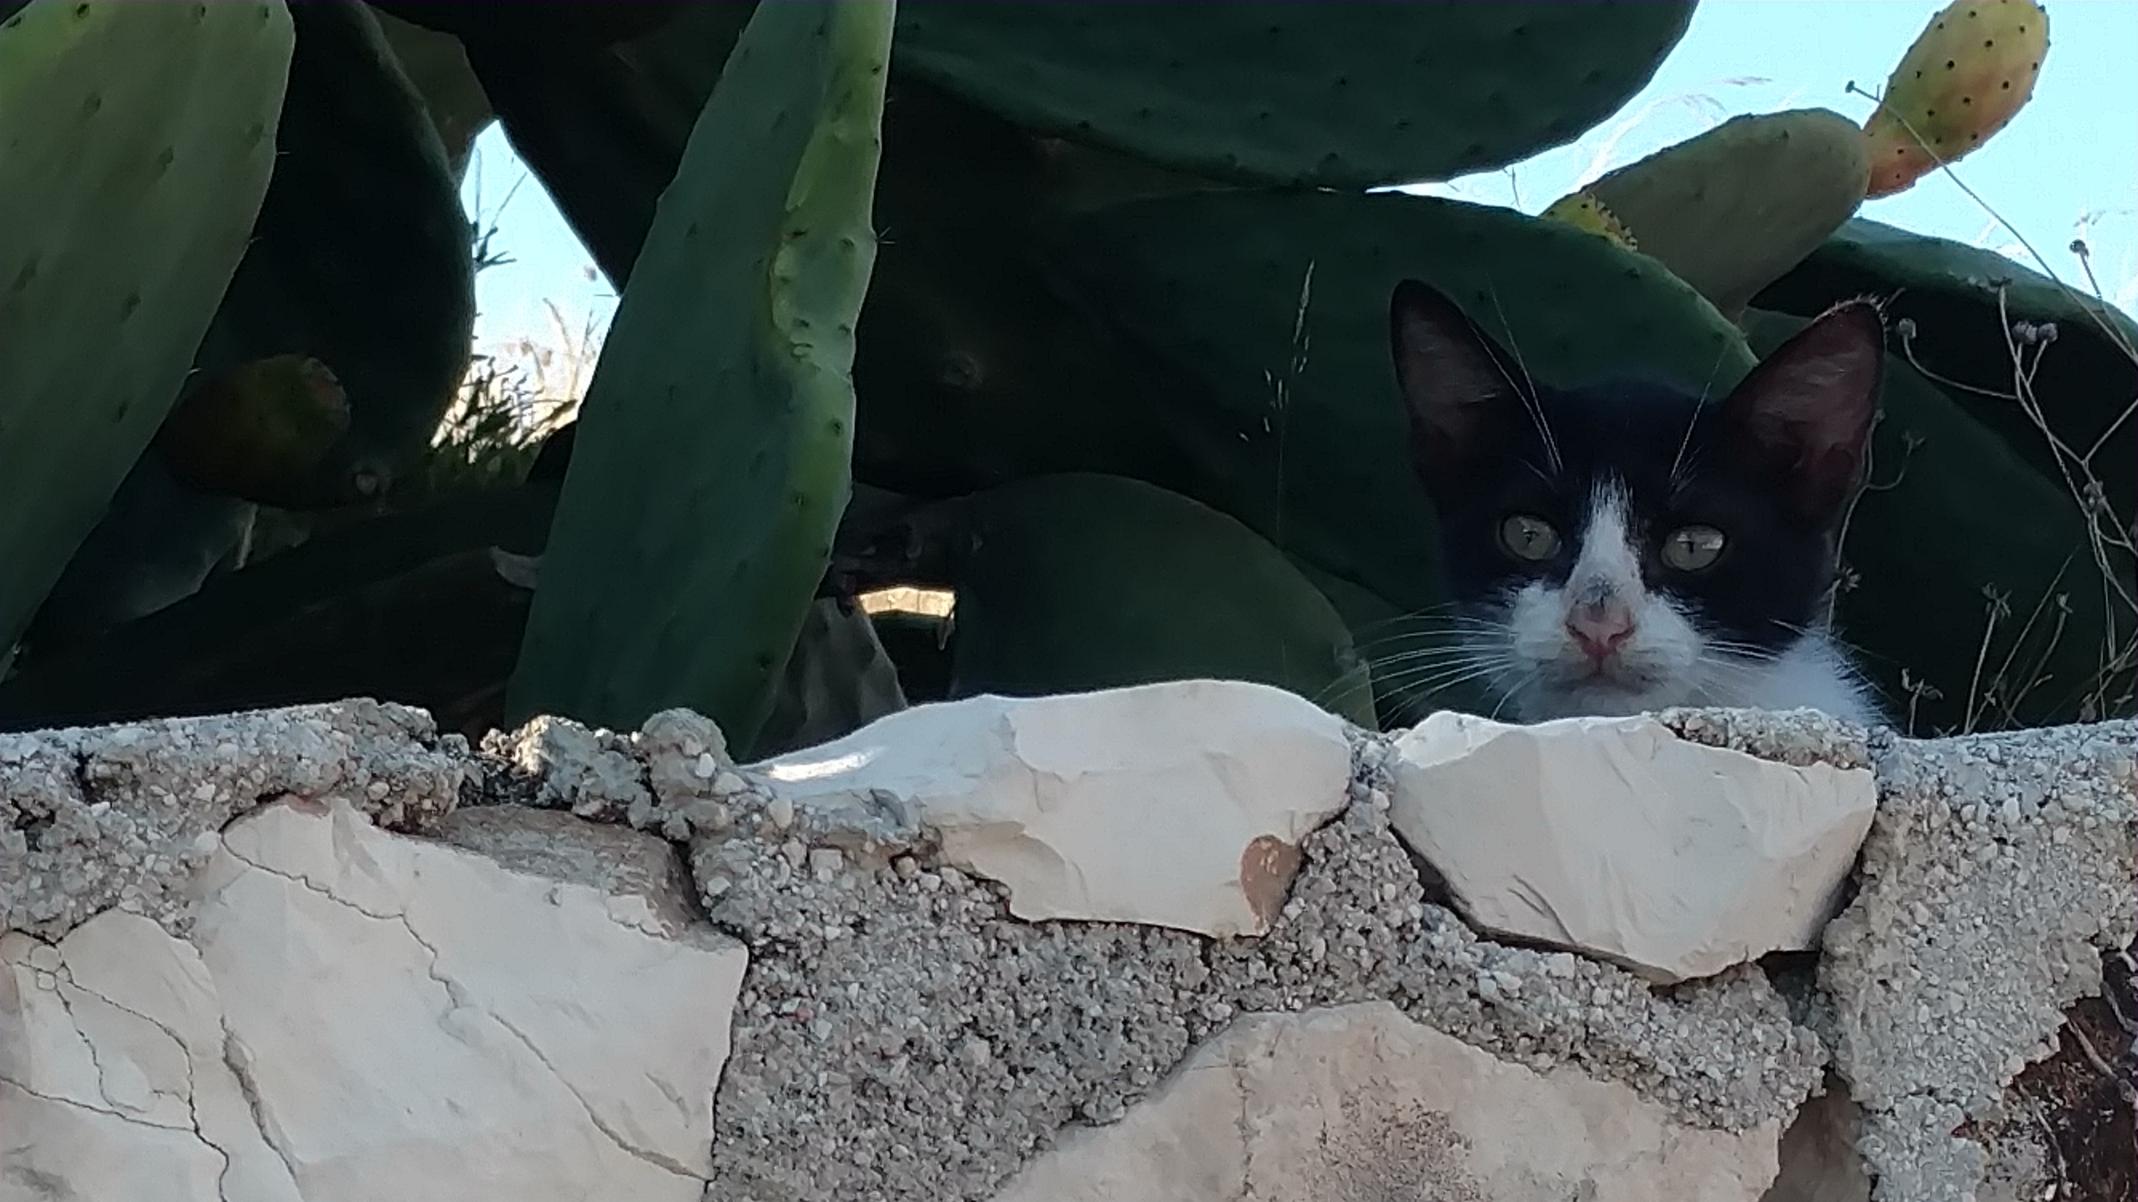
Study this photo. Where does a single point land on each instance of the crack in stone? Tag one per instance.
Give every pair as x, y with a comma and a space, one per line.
96, 1061
235, 1059
192, 1094
456, 999
1245, 1126
647, 1155
72, 1104
65, 975
193, 1087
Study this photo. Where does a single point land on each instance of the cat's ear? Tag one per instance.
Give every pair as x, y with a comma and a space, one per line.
1455, 381
1804, 415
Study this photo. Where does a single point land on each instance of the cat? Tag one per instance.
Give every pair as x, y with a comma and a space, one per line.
1622, 548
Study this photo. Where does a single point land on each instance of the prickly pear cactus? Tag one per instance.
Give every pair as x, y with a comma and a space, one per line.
138, 140
1967, 75
1732, 209
1339, 95
708, 478
1077, 582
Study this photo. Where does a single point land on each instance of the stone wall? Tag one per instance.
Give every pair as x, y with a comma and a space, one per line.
1182, 942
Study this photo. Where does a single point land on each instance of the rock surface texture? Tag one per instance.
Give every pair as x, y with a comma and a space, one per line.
1060, 800
1186, 941
1360, 1102
356, 1015
1617, 837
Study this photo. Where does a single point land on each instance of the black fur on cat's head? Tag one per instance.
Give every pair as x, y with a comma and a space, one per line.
1621, 547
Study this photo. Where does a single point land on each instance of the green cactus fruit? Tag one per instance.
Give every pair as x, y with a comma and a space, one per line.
1279, 385
1077, 581
361, 257
1584, 212
1950, 512
136, 142
1339, 95
257, 431
1968, 74
712, 465
1955, 301
1732, 209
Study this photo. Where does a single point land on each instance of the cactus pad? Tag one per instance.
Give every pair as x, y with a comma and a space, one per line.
1341, 95
1732, 209
138, 143
1079, 582
712, 463
1968, 74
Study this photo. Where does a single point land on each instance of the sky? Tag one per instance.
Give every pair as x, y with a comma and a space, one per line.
2066, 167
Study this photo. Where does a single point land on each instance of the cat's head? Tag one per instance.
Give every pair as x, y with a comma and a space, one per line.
1625, 547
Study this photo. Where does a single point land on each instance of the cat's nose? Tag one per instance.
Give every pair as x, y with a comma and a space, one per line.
1600, 630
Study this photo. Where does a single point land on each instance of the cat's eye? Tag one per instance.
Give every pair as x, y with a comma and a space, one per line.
1527, 537
1693, 548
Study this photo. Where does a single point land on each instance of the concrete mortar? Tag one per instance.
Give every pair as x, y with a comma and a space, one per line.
120, 817
900, 1036
1998, 870
1798, 737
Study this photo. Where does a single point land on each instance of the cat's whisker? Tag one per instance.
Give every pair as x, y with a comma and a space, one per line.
1528, 389
1440, 679
1744, 651
1678, 462
1469, 637
1507, 695
1436, 655
1447, 636
1444, 622
1472, 641
1353, 677
1439, 657
1819, 631
1453, 609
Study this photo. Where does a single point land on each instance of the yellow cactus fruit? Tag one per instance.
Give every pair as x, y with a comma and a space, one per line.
1965, 77
1585, 212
